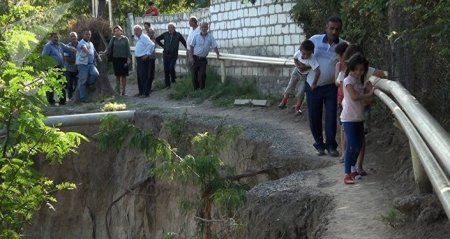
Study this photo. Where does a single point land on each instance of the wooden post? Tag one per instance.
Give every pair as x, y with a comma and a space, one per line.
423, 185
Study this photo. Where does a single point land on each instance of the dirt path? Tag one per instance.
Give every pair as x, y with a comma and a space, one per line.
358, 208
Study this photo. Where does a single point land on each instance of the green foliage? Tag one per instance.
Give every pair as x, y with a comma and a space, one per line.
201, 167
24, 78
312, 14
221, 94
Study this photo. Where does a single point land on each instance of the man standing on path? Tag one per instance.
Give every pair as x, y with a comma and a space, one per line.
55, 50
71, 68
326, 92
143, 51
85, 60
171, 40
194, 30
201, 45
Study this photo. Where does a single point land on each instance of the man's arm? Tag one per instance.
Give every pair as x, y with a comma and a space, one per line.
316, 78
158, 40
182, 40
217, 52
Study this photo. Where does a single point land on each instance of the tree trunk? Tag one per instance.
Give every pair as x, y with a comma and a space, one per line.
102, 9
102, 87
401, 60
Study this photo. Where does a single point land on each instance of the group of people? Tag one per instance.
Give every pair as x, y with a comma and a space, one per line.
334, 74
198, 45
78, 58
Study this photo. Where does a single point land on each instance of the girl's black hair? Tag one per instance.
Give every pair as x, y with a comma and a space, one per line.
357, 59
351, 50
340, 48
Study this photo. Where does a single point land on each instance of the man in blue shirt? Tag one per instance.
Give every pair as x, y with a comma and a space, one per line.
85, 61
325, 94
200, 47
55, 50
71, 68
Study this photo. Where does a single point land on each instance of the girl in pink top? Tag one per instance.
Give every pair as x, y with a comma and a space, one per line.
352, 116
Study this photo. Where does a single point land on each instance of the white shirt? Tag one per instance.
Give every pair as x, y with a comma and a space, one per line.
203, 44
326, 56
144, 46
192, 33
312, 62
353, 111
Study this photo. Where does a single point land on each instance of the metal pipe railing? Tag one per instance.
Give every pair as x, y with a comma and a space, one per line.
436, 175
437, 138
86, 119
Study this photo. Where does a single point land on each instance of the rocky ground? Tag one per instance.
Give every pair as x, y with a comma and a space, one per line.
368, 209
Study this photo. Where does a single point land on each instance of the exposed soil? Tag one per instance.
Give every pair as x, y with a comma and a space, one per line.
337, 210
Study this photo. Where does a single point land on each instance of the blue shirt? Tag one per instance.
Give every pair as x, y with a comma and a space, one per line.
91, 49
68, 53
55, 51
144, 46
203, 44
326, 56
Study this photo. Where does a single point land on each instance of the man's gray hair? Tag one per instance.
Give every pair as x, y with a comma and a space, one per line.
137, 27
73, 33
172, 23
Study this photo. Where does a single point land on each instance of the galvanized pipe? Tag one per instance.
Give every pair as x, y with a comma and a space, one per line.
429, 128
436, 175
85, 119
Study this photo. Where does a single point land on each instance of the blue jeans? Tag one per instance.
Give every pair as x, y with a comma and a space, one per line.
87, 75
354, 132
322, 95
169, 69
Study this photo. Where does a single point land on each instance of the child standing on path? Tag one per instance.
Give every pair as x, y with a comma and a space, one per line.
352, 115
305, 57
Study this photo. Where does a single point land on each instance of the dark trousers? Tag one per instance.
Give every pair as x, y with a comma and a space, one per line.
50, 95
169, 69
322, 95
151, 73
199, 72
72, 81
143, 75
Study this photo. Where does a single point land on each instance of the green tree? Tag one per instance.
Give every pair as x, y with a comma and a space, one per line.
201, 166
24, 78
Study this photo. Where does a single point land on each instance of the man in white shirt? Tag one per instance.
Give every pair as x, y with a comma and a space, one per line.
325, 94
194, 30
143, 51
200, 47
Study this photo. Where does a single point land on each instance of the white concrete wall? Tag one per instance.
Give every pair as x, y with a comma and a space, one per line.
263, 29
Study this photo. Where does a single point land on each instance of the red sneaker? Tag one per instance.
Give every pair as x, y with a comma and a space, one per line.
348, 179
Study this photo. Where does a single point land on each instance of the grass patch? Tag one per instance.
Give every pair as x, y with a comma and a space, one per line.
221, 94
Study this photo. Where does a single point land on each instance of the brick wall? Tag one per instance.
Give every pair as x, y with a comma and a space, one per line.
263, 29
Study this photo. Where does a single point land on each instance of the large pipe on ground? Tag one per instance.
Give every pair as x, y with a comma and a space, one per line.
82, 119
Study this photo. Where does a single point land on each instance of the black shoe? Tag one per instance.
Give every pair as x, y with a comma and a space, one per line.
282, 106
137, 95
320, 152
333, 153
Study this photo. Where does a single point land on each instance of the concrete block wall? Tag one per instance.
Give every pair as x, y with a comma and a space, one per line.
262, 29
